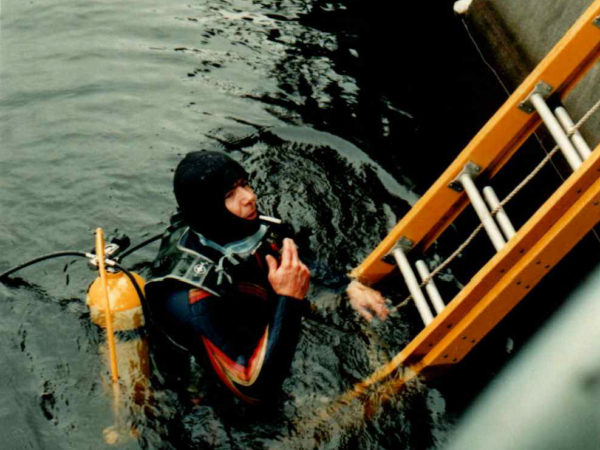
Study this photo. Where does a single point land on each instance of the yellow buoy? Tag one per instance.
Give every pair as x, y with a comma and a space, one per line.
125, 305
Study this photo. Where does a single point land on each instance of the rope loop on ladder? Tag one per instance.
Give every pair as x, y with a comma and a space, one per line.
507, 199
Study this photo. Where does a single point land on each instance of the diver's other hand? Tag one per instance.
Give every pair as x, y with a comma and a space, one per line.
367, 301
290, 277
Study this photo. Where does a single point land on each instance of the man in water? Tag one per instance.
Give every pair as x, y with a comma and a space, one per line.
228, 285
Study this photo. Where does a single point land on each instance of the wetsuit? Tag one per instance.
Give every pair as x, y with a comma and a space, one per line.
217, 302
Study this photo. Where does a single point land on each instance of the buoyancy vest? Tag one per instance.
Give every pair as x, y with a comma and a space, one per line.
251, 337
180, 258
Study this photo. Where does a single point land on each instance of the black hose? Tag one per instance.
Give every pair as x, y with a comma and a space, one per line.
42, 258
133, 281
176, 223
145, 307
83, 254
151, 324
140, 245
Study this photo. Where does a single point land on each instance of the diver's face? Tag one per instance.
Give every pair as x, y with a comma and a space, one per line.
241, 201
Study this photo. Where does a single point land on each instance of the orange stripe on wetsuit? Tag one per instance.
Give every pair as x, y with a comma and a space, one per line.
252, 289
231, 372
195, 295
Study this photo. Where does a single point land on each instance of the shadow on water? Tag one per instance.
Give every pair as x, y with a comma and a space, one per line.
53, 359
400, 80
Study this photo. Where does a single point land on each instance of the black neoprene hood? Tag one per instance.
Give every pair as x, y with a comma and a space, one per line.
201, 180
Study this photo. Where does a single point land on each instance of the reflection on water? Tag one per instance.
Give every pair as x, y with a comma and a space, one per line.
98, 102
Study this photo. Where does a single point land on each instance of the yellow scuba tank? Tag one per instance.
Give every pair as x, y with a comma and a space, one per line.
113, 295
125, 305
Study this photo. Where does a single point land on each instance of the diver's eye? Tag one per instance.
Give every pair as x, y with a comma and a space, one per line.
240, 183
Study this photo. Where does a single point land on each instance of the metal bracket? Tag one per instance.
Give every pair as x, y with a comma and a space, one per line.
404, 243
471, 168
597, 21
542, 88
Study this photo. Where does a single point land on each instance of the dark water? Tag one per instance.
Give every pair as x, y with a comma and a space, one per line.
342, 112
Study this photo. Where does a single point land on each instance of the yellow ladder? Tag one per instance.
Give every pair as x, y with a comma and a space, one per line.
523, 256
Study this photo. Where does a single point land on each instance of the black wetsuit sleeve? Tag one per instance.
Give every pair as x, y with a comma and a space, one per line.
284, 332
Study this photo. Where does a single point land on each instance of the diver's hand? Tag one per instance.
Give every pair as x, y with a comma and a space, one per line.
367, 301
290, 277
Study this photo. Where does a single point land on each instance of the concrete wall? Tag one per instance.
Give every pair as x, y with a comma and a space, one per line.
515, 35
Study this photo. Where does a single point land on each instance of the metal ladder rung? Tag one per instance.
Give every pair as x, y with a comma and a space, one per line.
413, 285
430, 287
505, 224
480, 208
556, 130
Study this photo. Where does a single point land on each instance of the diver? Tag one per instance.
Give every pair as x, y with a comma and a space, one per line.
227, 284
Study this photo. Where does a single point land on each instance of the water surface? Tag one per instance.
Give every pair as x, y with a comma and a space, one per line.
98, 103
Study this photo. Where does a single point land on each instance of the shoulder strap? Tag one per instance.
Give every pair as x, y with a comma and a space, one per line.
178, 262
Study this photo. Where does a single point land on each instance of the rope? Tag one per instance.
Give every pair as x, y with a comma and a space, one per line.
507, 199
584, 119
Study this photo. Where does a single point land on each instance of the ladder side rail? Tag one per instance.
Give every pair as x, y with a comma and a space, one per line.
501, 263
577, 221
491, 148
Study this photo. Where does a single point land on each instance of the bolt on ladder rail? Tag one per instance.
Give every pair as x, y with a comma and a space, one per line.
522, 257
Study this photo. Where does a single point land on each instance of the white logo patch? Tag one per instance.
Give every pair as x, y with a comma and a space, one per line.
200, 269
